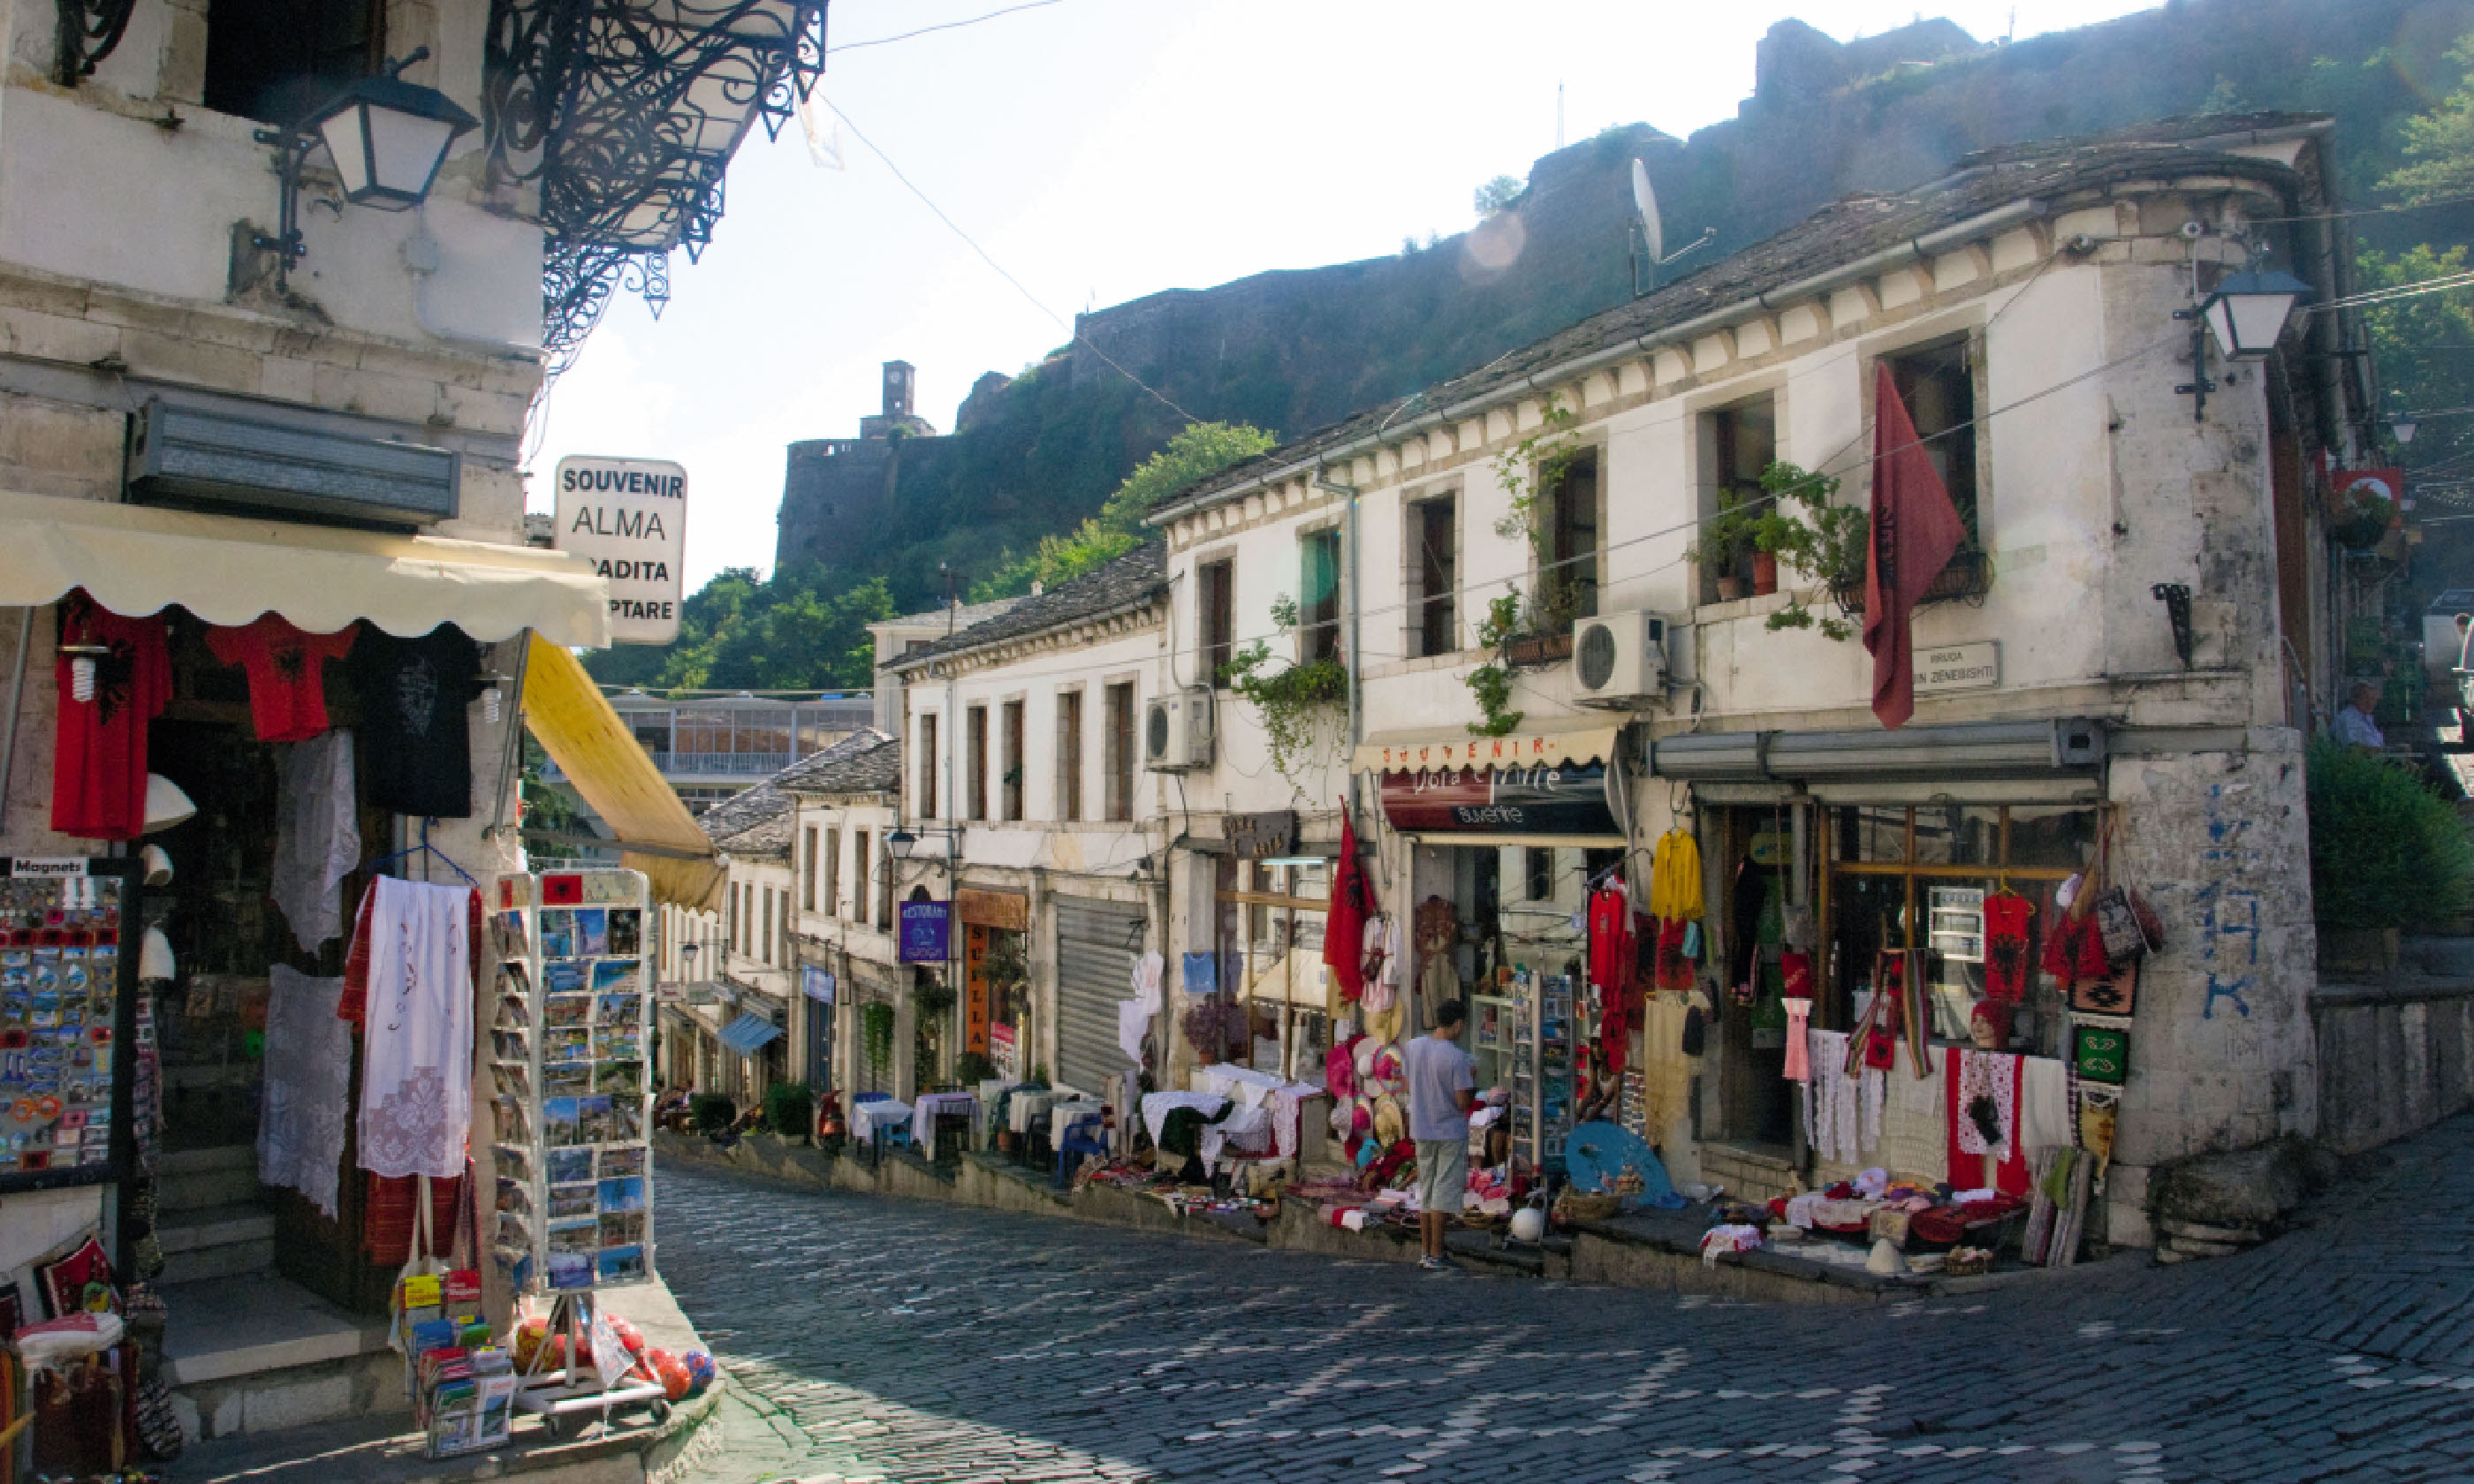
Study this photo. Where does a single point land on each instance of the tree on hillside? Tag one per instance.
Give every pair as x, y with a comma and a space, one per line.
805, 629
2439, 144
1498, 195
1196, 452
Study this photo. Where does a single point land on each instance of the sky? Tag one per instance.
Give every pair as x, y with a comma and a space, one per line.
1100, 150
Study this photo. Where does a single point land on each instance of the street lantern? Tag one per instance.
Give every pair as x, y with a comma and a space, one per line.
389, 136
2248, 312
901, 843
2401, 426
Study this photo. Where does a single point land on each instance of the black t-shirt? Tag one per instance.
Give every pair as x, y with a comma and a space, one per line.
415, 751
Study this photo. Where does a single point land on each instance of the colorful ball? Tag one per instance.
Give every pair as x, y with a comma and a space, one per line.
674, 1376
702, 1369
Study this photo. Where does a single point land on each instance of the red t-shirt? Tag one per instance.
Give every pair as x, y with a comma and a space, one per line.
99, 774
1611, 944
288, 677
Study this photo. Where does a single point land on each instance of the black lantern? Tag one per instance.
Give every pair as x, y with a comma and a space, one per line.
902, 843
389, 136
2401, 427
2248, 312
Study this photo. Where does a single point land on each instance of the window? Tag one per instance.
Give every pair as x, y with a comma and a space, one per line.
730, 930
1737, 444
1569, 586
808, 877
765, 946
924, 735
975, 759
1069, 755
833, 872
1537, 866
1434, 571
1216, 591
1120, 759
1269, 936
275, 60
1938, 384
1012, 779
1318, 599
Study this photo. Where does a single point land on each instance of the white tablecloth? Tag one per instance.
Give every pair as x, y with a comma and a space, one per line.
865, 1118
926, 1107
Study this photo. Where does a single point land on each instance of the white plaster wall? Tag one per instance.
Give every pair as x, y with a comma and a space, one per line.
1037, 680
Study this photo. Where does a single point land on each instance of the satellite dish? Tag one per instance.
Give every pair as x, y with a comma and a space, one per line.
1645, 202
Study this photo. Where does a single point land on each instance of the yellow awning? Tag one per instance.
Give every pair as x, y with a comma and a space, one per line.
135, 558
601, 758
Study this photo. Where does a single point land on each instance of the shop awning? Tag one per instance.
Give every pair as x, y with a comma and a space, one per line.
1453, 751
135, 558
2041, 748
748, 1033
605, 763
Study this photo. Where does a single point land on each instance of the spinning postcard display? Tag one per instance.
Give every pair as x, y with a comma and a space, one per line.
569, 1039
68, 998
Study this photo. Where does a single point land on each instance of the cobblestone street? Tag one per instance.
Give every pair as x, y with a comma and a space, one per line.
902, 1341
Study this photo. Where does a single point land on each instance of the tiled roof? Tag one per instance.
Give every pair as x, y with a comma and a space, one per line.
1134, 579
1840, 233
873, 769
757, 821
964, 615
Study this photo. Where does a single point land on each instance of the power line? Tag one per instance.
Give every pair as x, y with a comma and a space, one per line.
950, 25
985, 257
2341, 216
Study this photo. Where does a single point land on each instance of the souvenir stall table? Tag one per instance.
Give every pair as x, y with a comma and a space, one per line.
871, 1120
954, 1111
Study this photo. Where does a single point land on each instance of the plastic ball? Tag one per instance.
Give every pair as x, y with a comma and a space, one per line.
630, 1338
1528, 1224
670, 1372
700, 1368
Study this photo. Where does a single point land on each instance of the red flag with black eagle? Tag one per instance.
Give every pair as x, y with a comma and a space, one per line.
1915, 531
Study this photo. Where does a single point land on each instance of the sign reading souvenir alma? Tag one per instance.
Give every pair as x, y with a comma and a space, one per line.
629, 518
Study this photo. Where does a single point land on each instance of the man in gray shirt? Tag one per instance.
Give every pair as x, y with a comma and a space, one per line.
1442, 1090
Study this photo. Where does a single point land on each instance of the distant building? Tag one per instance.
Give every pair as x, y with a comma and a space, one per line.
710, 748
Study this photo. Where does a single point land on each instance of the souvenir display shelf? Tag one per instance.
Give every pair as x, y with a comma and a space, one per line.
571, 1029
68, 1005
1541, 1065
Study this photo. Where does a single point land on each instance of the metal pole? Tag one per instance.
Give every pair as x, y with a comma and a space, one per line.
511, 748
16, 697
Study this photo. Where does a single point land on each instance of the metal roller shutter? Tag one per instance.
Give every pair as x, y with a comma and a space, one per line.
1094, 971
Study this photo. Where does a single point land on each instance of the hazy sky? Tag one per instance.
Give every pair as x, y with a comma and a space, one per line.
1103, 150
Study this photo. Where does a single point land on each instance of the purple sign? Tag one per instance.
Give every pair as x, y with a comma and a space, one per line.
924, 935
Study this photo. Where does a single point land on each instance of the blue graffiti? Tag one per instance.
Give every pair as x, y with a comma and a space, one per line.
2230, 989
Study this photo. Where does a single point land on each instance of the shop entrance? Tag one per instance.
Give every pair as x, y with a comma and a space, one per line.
1763, 898
1269, 942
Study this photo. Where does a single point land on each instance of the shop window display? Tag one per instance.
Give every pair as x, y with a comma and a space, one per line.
1271, 954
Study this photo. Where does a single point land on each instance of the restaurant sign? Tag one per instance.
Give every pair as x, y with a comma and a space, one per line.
924, 935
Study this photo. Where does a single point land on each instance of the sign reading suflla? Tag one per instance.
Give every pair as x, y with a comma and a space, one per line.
629, 518
1973, 666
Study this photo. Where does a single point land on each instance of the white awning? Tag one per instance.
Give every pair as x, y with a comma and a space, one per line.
137, 559
1428, 751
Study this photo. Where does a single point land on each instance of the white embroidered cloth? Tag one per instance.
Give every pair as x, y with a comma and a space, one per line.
1994, 1075
317, 840
417, 1065
309, 1087
1842, 1111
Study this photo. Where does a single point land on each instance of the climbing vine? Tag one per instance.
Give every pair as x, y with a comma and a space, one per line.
1528, 471
1492, 682
1295, 703
876, 1036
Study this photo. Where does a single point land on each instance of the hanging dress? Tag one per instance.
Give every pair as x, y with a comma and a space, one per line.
417, 1065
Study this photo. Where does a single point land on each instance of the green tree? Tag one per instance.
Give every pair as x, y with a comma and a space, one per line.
1498, 195
804, 630
1195, 453
2438, 145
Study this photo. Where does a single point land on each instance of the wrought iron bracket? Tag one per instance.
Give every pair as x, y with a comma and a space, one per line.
89, 30
2197, 387
2177, 598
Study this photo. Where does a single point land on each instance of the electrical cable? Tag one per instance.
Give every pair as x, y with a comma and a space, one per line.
2343, 216
984, 256
950, 25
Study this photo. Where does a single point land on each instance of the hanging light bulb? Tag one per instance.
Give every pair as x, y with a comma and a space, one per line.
490, 704
81, 678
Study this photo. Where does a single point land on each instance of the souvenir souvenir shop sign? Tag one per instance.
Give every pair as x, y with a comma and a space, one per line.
925, 932
629, 518
68, 998
1538, 799
570, 1028
1266, 836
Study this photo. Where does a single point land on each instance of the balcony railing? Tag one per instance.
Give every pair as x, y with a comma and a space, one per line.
732, 765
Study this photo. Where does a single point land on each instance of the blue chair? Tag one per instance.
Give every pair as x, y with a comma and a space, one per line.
1084, 1135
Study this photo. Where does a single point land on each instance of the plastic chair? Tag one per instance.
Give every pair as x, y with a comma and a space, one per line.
1084, 1135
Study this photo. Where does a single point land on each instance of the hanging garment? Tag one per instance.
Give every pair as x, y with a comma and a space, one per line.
1675, 878
2044, 1103
287, 674
1352, 903
1993, 1077
1610, 945
99, 764
317, 838
2006, 916
1379, 960
1799, 1021
309, 1087
1667, 1073
1437, 937
1832, 1123
1674, 964
415, 737
417, 1064
1795, 972
391, 1218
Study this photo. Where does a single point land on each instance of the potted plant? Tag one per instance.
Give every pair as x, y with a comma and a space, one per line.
1297, 704
2387, 853
1748, 525
2364, 516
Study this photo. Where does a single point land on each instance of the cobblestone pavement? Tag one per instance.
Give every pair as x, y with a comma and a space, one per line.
897, 1342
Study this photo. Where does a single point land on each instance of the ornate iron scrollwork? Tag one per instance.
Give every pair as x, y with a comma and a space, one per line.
2177, 598
623, 114
89, 30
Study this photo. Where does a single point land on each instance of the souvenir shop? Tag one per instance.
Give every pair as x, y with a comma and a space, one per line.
1916, 974
1508, 893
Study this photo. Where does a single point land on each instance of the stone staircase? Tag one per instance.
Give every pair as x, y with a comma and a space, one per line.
1747, 1172
246, 1350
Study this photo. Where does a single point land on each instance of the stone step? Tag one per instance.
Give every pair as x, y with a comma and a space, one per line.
226, 1260
256, 1353
201, 1186
214, 1226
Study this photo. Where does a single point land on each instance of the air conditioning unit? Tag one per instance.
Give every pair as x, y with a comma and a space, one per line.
1619, 659
1177, 730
